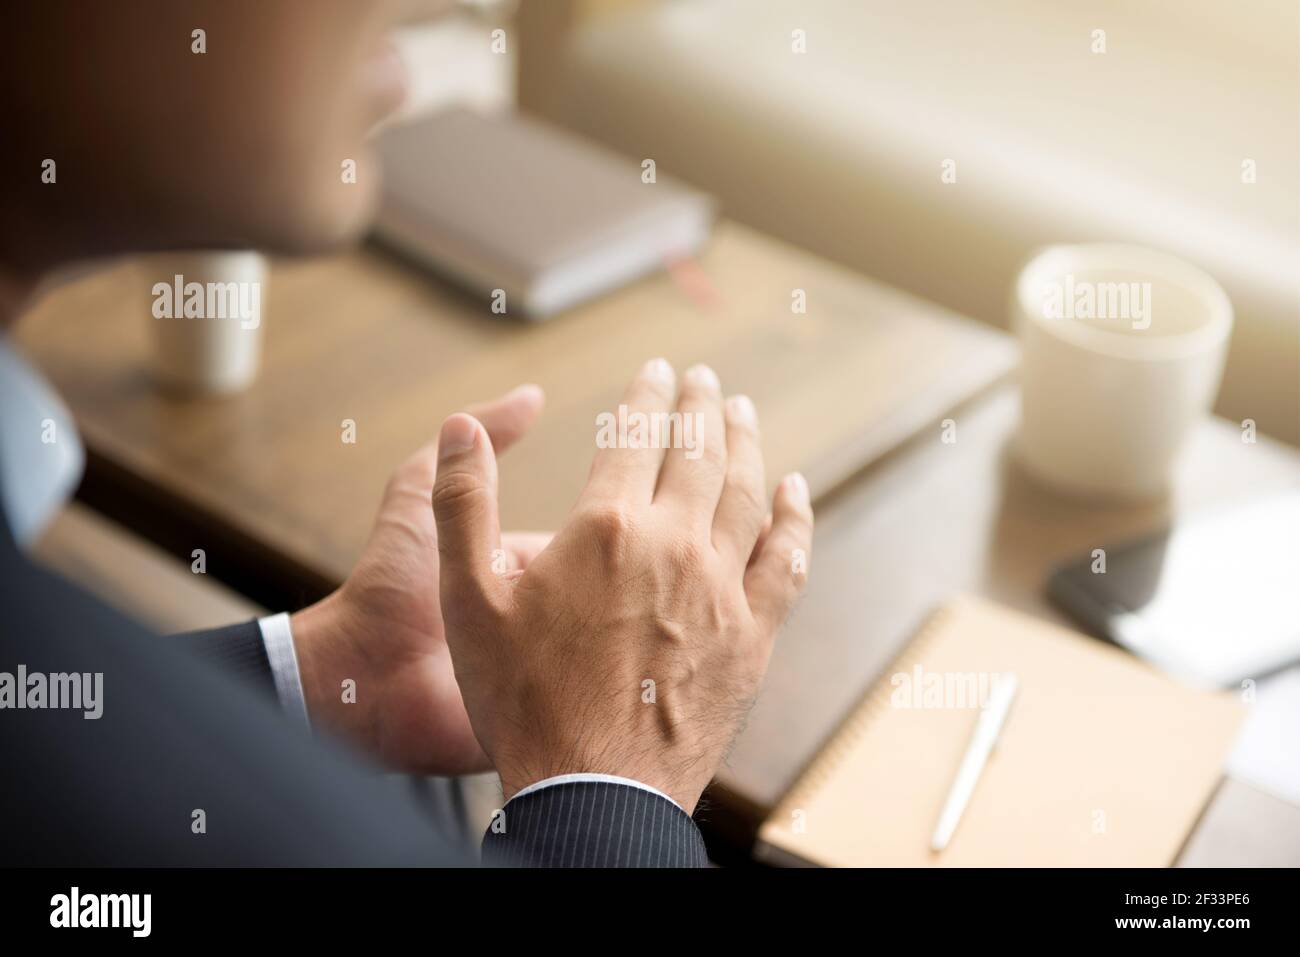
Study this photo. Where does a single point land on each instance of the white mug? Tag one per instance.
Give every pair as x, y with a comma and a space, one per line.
1122, 354
206, 311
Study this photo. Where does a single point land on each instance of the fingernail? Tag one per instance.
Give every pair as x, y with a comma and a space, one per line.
458, 435
798, 485
658, 369
740, 408
702, 375
528, 388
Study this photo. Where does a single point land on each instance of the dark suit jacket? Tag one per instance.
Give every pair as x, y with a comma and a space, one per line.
180, 734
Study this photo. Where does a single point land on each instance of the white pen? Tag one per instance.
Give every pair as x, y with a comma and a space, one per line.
987, 729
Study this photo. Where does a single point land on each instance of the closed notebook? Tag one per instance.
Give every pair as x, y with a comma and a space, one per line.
507, 203
1103, 761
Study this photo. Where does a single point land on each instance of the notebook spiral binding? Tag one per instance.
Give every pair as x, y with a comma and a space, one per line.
851, 729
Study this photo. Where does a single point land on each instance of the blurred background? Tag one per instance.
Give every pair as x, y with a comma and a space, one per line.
1182, 135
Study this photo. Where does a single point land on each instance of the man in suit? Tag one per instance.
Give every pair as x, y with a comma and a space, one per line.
602, 673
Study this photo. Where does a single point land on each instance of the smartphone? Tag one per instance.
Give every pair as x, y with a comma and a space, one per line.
1215, 600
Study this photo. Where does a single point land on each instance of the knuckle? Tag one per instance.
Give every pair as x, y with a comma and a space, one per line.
611, 526
393, 486
801, 521
713, 454
746, 492
797, 555
794, 579
405, 479
686, 556
457, 494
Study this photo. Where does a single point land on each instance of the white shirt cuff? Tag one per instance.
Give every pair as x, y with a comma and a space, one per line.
597, 778
277, 638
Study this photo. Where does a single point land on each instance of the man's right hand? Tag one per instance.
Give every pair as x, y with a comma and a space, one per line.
635, 643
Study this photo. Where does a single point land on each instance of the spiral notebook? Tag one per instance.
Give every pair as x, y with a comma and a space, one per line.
1103, 761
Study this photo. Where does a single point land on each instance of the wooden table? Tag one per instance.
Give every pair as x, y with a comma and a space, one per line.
265, 483
262, 480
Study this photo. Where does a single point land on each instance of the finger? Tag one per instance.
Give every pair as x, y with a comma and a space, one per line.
506, 420
631, 440
762, 538
743, 505
696, 464
469, 533
522, 547
778, 575
509, 417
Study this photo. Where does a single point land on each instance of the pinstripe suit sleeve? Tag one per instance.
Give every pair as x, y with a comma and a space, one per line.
593, 823
236, 649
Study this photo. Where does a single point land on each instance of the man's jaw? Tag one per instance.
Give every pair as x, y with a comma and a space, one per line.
16, 290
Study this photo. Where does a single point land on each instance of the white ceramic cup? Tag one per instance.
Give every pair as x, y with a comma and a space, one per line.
206, 312
1122, 354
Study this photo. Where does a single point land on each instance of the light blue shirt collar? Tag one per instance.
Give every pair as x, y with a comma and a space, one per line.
41, 456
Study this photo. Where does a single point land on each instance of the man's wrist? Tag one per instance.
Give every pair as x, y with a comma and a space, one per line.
592, 779
516, 783
320, 641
